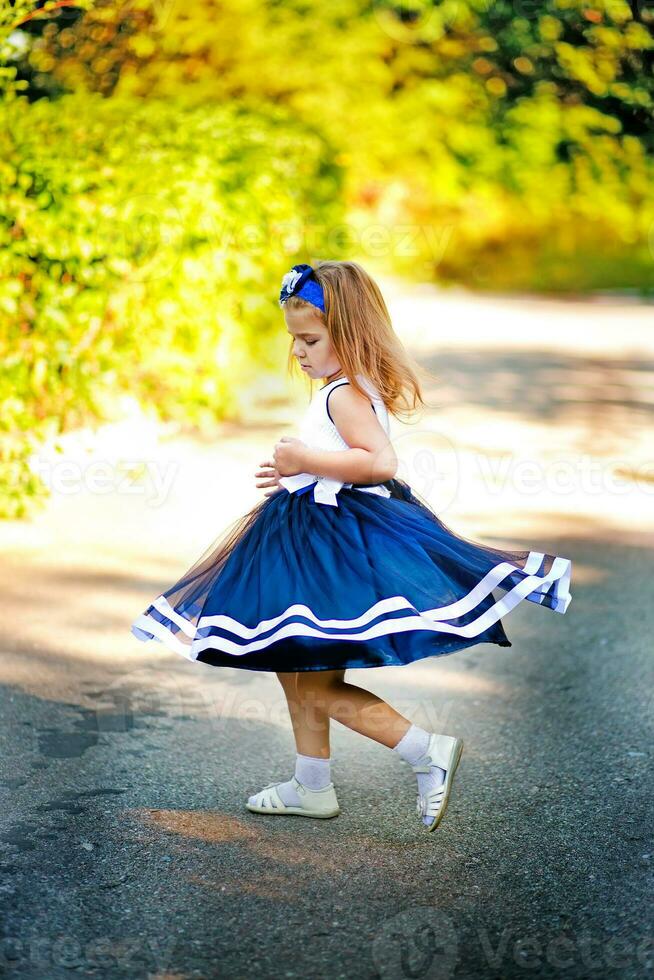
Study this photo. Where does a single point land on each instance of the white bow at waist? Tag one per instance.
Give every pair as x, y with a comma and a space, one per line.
326, 488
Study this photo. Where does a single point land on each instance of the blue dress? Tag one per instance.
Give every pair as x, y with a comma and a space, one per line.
324, 575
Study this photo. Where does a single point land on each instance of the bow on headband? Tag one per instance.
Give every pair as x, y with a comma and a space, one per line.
301, 281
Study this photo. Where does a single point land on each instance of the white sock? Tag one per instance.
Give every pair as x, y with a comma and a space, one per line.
411, 747
312, 771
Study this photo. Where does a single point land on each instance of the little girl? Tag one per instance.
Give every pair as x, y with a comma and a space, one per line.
342, 564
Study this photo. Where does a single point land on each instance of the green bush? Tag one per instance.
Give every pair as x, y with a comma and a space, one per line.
502, 145
141, 250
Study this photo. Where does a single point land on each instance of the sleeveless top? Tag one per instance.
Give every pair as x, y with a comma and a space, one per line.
318, 431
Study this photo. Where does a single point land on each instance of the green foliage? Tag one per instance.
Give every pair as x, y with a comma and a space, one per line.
16, 18
143, 256
498, 144
539, 163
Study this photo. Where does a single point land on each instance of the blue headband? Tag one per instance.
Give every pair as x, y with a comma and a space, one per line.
301, 281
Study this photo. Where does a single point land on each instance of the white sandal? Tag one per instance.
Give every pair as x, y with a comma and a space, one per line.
315, 802
444, 751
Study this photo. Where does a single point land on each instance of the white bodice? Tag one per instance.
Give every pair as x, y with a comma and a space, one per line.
316, 427
317, 430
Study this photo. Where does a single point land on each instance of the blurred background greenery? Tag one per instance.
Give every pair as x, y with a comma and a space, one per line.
163, 163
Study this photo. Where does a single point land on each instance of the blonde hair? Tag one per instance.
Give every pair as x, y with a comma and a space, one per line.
362, 335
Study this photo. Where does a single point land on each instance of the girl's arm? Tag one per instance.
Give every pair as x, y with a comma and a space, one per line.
351, 465
371, 458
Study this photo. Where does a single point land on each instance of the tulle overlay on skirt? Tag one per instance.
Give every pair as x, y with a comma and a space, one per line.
375, 581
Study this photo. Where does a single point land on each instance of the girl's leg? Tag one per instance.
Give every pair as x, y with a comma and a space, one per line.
318, 695
315, 696
310, 728
312, 764
327, 692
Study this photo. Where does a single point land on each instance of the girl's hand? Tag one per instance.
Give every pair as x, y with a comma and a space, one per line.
269, 476
288, 456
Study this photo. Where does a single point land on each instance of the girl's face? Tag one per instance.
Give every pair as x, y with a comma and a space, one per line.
311, 344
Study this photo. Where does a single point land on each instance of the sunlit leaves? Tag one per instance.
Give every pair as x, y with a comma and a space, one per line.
144, 256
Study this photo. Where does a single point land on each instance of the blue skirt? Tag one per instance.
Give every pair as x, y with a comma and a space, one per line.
374, 581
